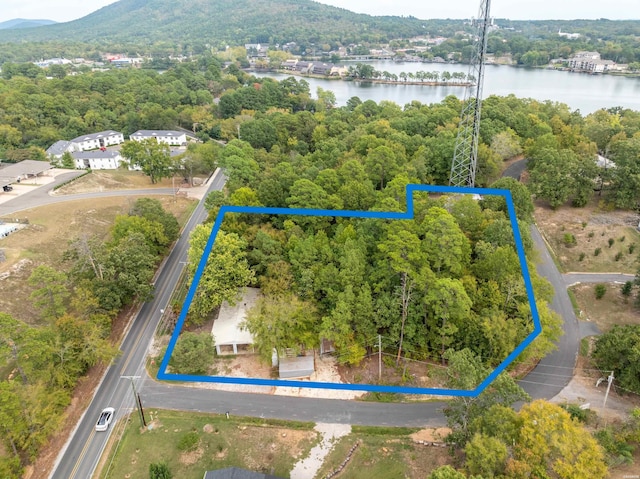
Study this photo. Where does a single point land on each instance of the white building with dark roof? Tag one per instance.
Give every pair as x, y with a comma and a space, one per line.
59, 148
170, 137
97, 159
94, 141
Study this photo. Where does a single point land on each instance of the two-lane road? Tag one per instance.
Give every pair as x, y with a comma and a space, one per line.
81, 454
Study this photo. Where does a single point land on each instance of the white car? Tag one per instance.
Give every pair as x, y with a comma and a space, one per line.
105, 419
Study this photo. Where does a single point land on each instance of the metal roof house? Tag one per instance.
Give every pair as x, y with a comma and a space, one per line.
228, 336
298, 367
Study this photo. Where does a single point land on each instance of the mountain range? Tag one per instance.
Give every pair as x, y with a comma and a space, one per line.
220, 22
17, 23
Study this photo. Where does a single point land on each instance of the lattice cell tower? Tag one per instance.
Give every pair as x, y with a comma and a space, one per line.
465, 156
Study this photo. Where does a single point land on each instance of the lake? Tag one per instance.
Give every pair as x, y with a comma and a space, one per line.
580, 91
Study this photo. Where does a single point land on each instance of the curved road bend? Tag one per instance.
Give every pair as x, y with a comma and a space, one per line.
554, 371
42, 195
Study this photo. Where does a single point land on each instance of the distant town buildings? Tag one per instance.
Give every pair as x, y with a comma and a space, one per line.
569, 36
170, 137
590, 62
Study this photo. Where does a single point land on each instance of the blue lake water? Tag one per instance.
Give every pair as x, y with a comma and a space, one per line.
580, 91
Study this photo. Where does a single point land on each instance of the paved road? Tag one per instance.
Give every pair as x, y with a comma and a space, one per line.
575, 278
186, 398
85, 446
554, 372
42, 195
516, 169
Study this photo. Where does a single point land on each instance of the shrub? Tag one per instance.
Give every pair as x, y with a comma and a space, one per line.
189, 441
601, 289
575, 412
581, 257
622, 238
597, 251
591, 234
627, 289
584, 224
569, 240
618, 256
632, 248
611, 241
159, 471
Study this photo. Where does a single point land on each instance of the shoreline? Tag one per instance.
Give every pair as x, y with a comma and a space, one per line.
359, 80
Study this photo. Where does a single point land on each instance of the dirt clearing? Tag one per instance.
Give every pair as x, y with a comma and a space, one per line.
591, 239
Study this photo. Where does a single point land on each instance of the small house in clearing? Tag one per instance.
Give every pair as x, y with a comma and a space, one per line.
228, 336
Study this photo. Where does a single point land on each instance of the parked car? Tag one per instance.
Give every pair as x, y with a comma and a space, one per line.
106, 416
7, 187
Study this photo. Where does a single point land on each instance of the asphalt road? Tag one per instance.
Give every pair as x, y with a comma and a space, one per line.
554, 372
575, 278
41, 196
81, 454
85, 446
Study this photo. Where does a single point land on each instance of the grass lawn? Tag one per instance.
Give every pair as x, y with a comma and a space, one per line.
384, 453
611, 309
106, 180
260, 445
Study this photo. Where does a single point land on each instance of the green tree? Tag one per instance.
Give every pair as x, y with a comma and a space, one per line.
618, 350
152, 209
519, 193
282, 322
67, 161
485, 455
446, 472
159, 470
466, 372
151, 156
402, 249
551, 177
193, 354
382, 164
128, 269
226, 271
153, 232
51, 291
447, 249
506, 144
450, 305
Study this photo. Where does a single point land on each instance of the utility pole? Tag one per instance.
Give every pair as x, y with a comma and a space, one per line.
606, 395
136, 399
379, 358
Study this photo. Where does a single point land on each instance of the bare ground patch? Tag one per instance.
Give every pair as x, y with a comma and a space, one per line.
576, 233
109, 180
612, 309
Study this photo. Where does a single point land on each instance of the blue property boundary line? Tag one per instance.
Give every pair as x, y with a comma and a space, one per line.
407, 215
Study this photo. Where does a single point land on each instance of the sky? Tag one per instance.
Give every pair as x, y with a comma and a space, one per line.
66, 10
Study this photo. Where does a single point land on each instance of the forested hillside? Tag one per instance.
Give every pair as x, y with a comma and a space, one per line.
222, 22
